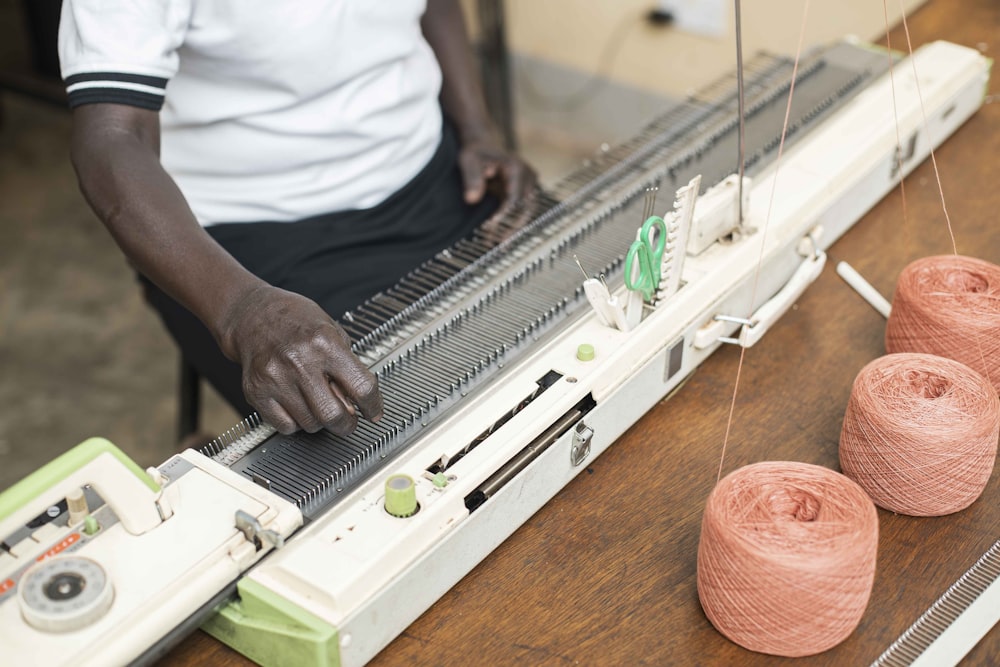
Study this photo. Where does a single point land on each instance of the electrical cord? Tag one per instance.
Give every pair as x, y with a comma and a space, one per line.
600, 78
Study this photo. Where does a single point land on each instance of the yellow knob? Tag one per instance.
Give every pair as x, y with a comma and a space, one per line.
400, 496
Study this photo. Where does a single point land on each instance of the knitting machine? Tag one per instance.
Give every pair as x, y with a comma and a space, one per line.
504, 371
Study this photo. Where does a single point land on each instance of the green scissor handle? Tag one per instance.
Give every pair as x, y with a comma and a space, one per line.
647, 250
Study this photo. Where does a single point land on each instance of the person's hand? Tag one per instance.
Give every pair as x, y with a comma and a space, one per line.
486, 167
298, 368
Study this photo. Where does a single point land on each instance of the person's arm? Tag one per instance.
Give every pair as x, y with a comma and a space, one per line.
298, 369
482, 158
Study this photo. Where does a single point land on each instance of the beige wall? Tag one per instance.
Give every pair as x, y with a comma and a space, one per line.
573, 33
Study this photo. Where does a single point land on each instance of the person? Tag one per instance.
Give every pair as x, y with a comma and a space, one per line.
267, 166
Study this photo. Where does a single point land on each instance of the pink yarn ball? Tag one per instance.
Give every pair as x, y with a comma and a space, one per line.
920, 433
949, 306
787, 557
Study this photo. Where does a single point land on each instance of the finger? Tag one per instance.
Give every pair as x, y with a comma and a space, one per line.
473, 177
349, 378
334, 412
298, 408
357, 385
281, 391
275, 415
343, 399
313, 403
521, 180
529, 182
513, 181
493, 226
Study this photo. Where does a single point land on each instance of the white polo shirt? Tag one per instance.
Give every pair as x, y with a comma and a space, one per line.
269, 110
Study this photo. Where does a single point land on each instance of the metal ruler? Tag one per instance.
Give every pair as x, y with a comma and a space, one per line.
950, 627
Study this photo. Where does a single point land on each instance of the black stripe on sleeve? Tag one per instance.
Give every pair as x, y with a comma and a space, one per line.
133, 98
154, 81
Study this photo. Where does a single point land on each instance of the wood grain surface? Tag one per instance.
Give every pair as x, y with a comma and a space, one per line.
604, 574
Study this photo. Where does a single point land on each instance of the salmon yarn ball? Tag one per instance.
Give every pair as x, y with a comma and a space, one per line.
787, 557
920, 433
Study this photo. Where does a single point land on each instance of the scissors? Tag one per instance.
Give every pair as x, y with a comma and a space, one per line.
645, 256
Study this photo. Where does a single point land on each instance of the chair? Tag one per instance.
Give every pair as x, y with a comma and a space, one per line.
188, 400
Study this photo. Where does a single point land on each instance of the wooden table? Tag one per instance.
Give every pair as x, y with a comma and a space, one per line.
604, 574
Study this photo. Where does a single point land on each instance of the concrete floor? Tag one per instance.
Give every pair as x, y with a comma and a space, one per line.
80, 353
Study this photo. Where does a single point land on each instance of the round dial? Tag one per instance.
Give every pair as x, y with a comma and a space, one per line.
64, 593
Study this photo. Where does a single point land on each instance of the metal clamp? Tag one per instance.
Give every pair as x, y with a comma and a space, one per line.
256, 533
580, 449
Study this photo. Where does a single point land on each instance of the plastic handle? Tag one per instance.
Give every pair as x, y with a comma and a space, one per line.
771, 311
130, 492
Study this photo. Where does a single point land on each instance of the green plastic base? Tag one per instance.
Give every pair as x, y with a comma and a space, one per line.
272, 631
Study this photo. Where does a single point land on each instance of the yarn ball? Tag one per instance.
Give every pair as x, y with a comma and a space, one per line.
920, 433
787, 557
949, 305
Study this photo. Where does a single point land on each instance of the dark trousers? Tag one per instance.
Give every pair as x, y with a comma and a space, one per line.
338, 260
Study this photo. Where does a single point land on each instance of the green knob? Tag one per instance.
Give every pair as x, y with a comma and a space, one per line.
585, 352
400, 496
90, 525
